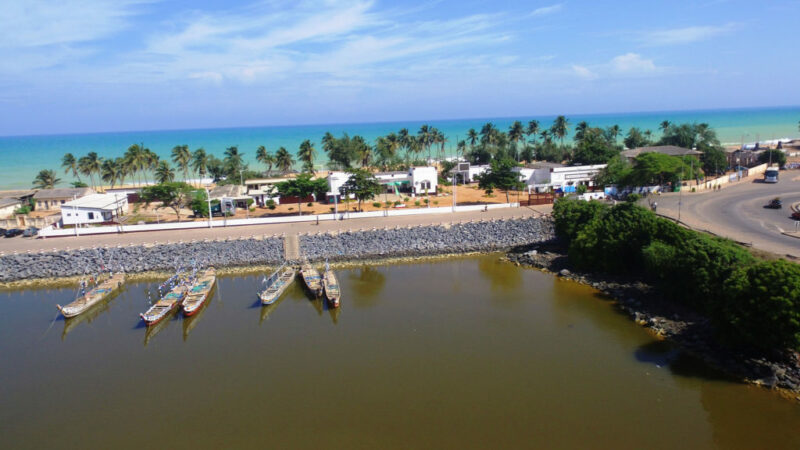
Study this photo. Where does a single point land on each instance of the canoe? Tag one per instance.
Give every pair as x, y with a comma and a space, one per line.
168, 303
199, 291
277, 284
331, 284
93, 297
312, 279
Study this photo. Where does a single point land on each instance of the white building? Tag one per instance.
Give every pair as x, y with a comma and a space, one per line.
94, 208
468, 173
416, 181
544, 177
264, 189
8, 206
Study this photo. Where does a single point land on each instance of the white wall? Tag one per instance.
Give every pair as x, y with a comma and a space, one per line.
73, 216
420, 175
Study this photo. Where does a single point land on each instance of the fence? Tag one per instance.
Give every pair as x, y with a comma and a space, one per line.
540, 199
51, 232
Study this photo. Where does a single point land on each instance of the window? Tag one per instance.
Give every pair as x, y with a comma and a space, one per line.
63, 201
91, 216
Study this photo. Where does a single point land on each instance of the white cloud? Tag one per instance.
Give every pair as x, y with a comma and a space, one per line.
632, 63
687, 35
584, 72
545, 10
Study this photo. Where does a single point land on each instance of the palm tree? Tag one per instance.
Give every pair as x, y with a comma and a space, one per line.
85, 167
461, 148
181, 156
364, 151
533, 129
265, 157
134, 159
306, 154
424, 137
560, 128
440, 139
515, 133
490, 135
111, 171
580, 130
233, 159
164, 173
615, 131
70, 164
152, 161
46, 179
472, 138
284, 160
545, 134
664, 125
200, 162
406, 141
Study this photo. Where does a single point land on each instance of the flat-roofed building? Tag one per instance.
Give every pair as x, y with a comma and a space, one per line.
670, 150
415, 181
94, 208
551, 176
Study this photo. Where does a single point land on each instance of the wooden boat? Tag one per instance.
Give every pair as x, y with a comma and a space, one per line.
277, 284
199, 291
167, 304
312, 279
331, 284
93, 297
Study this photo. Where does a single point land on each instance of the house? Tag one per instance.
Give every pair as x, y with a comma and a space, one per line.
94, 208
415, 181
52, 199
670, 150
468, 173
264, 189
232, 196
8, 206
550, 176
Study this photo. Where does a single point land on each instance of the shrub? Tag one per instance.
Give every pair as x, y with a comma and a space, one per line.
270, 204
572, 215
406, 199
763, 305
633, 198
436, 202
397, 203
426, 201
417, 203
581, 189
387, 204
309, 204
376, 204
22, 210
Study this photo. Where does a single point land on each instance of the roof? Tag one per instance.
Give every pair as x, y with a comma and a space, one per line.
267, 180
63, 193
671, 150
543, 165
97, 201
228, 190
17, 193
6, 202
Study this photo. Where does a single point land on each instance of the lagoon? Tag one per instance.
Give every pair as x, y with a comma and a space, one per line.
464, 352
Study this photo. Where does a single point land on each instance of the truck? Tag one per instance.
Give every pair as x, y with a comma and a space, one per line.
771, 175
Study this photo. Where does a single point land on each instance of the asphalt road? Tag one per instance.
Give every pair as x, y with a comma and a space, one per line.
20, 244
737, 212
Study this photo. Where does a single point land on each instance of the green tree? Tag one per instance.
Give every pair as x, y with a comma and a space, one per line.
774, 157
284, 160
714, 161
614, 131
112, 170
46, 179
500, 176
234, 161
617, 172
658, 168
164, 173
560, 128
265, 157
215, 167
570, 216
181, 156
89, 165
636, 139
362, 184
135, 159
175, 195
532, 130
306, 155
515, 135
70, 164
580, 130
594, 148
301, 187
200, 162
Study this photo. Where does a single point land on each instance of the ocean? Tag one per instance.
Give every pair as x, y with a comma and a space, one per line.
22, 157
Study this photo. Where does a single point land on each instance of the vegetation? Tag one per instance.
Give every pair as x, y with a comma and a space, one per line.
301, 187
501, 176
46, 179
752, 303
362, 184
175, 195
776, 157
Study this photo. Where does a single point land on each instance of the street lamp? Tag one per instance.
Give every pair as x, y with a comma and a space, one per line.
210, 216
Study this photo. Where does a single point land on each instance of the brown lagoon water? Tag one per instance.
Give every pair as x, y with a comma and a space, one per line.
465, 353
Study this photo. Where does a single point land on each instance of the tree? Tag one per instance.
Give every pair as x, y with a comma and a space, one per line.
135, 159
500, 176
89, 165
265, 157
533, 129
215, 167
181, 156
580, 130
658, 168
200, 162
714, 161
306, 154
515, 134
617, 172
111, 171
284, 160
46, 179
362, 184
560, 128
636, 139
164, 173
175, 195
775, 157
361, 150
234, 162
472, 138
664, 125
301, 187
70, 164
594, 148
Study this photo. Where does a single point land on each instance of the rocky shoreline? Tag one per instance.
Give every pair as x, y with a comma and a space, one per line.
690, 331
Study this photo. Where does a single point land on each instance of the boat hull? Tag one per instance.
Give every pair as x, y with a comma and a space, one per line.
102, 292
199, 293
270, 295
150, 321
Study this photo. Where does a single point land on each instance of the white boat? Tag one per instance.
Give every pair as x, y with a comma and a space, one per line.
276, 284
331, 284
164, 306
94, 296
312, 279
199, 291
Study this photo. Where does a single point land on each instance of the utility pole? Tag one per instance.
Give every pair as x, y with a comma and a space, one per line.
210, 216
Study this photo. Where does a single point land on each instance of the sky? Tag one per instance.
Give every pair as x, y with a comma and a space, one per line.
73, 66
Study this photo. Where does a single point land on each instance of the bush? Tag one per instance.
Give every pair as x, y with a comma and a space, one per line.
426, 201
572, 215
270, 204
417, 203
763, 305
22, 210
633, 198
436, 202
581, 189
376, 204
309, 204
387, 204
397, 203
406, 199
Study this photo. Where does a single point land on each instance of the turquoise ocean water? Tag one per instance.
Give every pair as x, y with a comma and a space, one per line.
21, 157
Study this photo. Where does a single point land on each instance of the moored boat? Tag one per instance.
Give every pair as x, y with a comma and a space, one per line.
198, 292
277, 284
167, 304
331, 284
94, 296
311, 278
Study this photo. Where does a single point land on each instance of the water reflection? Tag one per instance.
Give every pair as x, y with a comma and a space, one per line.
190, 322
366, 284
503, 276
153, 330
86, 317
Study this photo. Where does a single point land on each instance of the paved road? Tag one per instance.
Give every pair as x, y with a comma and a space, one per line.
738, 212
20, 244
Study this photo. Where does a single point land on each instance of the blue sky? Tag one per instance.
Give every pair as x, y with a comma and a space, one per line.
104, 65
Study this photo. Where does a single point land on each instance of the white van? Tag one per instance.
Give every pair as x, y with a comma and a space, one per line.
771, 175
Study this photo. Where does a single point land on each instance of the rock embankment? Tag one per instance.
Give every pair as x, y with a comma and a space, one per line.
426, 240
692, 332
235, 252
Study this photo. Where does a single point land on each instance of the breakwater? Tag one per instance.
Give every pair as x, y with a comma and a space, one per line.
376, 243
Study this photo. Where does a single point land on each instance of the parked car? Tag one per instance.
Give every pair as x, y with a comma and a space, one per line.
2, 231
13, 232
30, 232
775, 203
796, 215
